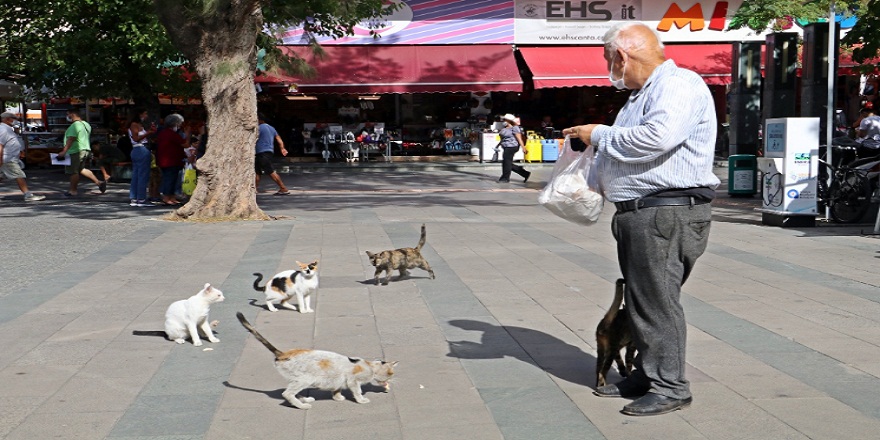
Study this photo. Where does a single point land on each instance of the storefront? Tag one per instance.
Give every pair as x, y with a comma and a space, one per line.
441, 72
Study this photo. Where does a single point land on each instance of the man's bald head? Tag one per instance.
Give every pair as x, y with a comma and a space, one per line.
639, 41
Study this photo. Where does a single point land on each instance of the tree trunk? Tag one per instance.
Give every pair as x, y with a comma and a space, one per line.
221, 46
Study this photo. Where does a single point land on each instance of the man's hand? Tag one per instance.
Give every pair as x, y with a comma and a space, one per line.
582, 132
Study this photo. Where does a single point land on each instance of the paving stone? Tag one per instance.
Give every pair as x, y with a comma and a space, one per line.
79, 425
783, 328
821, 417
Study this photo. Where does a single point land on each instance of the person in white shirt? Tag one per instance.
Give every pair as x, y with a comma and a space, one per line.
655, 164
10, 150
868, 133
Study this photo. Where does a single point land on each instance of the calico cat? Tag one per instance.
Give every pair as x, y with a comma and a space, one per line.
324, 370
400, 260
187, 316
612, 335
283, 286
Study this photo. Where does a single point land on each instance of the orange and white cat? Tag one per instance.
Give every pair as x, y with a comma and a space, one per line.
324, 370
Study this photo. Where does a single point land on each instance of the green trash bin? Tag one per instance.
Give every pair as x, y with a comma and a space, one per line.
742, 177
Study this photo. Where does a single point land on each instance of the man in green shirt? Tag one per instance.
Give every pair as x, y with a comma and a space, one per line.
78, 146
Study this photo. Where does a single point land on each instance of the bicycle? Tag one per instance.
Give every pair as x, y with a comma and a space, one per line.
852, 188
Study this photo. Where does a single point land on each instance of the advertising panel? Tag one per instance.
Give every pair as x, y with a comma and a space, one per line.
586, 21
431, 22
546, 22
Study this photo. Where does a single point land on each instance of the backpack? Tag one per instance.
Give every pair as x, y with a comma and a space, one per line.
124, 145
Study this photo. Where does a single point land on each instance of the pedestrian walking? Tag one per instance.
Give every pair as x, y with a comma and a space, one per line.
10, 152
77, 145
511, 141
265, 149
655, 164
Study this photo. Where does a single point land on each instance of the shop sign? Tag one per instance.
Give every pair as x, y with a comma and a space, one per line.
584, 22
429, 22
539, 22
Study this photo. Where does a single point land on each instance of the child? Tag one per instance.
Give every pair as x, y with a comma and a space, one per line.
106, 156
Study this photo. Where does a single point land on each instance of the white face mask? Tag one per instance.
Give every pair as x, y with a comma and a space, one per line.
618, 83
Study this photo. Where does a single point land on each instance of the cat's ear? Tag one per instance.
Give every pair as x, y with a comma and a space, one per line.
207, 287
314, 263
370, 254
354, 360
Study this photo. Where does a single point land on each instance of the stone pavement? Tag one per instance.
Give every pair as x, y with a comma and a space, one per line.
783, 323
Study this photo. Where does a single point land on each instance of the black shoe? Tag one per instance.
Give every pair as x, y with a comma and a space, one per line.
504, 180
528, 174
652, 404
622, 389
103, 187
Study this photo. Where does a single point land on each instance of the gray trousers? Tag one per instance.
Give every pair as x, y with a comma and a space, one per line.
656, 249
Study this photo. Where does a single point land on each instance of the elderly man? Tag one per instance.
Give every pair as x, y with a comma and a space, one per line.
10, 150
655, 164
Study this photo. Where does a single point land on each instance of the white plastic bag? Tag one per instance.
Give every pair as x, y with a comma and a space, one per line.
573, 190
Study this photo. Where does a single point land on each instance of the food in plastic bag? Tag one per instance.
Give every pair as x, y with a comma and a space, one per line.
573, 191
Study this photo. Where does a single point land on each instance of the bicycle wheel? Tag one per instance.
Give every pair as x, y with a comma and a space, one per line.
849, 197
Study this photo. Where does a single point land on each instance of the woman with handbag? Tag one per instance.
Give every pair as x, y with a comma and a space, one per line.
138, 138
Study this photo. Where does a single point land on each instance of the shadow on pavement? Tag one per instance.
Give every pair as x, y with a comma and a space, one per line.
551, 354
319, 395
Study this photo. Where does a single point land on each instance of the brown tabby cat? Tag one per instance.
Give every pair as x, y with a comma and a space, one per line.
400, 260
612, 335
324, 370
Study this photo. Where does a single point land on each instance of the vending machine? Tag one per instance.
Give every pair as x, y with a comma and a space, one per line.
789, 170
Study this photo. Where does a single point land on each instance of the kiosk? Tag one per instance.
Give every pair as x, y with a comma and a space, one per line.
789, 171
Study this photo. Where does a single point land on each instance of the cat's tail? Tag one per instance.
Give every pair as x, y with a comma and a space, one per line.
615, 305
422, 238
257, 334
257, 282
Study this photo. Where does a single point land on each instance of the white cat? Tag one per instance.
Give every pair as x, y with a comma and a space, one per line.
302, 283
324, 370
185, 317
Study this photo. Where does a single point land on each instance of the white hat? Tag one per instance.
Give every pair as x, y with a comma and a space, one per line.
6, 115
509, 117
